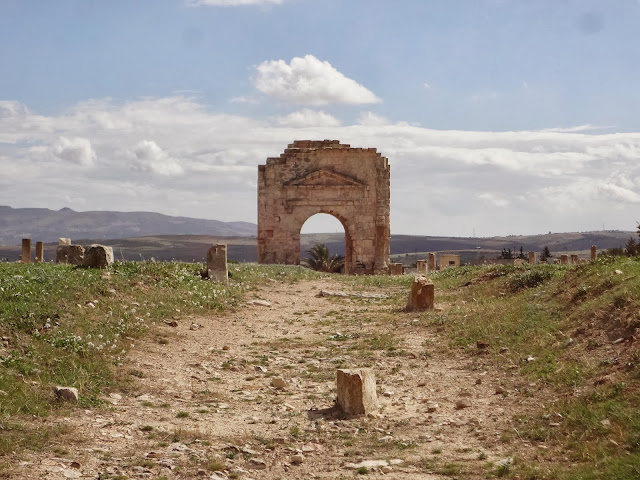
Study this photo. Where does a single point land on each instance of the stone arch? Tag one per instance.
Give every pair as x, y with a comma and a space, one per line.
311, 177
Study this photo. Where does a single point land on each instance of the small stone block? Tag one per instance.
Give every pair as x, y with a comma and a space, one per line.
217, 269
97, 256
64, 241
71, 254
422, 294
357, 391
396, 269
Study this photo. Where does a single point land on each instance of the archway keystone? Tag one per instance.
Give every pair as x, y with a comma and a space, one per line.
310, 177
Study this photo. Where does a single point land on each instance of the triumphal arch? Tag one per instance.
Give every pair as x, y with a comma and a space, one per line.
310, 177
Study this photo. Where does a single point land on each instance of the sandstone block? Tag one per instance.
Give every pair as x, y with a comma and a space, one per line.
26, 251
217, 269
431, 267
64, 241
564, 259
357, 391
39, 252
422, 294
421, 266
396, 269
532, 258
97, 256
594, 252
71, 254
574, 259
69, 394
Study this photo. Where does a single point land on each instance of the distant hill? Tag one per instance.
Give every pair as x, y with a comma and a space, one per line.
404, 248
42, 224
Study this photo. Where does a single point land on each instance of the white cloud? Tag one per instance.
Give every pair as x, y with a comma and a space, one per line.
176, 155
370, 118
244, 99
309, 81
75, 150
308, 118
147, 156
231, 3
426, 86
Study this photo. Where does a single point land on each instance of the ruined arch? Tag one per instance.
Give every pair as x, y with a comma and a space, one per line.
310, 177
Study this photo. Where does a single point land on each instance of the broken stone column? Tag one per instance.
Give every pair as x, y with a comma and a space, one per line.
97, 256
594, 253
564, 259
26, 251
217, 269
532, 258
71, 254
422, 294
431, 267
421, 266
357, 391
574, 259
64, 241
396, 269
39, 252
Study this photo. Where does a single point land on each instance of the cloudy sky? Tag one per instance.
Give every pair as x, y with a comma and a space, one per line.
497, 116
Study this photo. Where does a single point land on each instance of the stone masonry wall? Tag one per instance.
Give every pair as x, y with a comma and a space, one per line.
311, 177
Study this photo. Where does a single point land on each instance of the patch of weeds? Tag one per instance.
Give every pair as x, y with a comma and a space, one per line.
146, 428
182, 414
137, 373
450, 469
362, 471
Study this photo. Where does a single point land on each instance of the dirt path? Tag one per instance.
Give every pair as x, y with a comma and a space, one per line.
202, 404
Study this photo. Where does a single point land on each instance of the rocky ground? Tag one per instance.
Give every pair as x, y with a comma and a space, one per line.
248, 394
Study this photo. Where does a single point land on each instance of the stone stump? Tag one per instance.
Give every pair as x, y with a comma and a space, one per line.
564, 259
396, 269
532, 258
97, 256
357, 391
431, 267
594, 252
421, 266
64, 241
574, 259
39, 252
422, 294
217, 269
71, 254
26, 251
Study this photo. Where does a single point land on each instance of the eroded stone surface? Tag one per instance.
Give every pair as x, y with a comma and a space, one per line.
217, 269
97, 256
422, 294
310, 177
26, 251
357, 391
39, 252
71, 254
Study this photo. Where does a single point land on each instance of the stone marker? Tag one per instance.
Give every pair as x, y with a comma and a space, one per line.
396, 269
70, 394
518, 261
97, 256
71, 254
574, 259
532, 258
217, 263
26, 251
594, 253
431, 267
564, 259
39, 252
422, 294
64, 241
357, 391
421, 266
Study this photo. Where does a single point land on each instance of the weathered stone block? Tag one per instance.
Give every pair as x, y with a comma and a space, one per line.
421, 266
217, 269
564, 259
64, 241
39, 252
422, 295
594, 252
357, 391
97, 256
431, 266
532, 258
71, 254
574, 259
26, 251
396, 268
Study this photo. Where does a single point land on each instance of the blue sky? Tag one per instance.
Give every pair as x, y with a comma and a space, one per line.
503, 116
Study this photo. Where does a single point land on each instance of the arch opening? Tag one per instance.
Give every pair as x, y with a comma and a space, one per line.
327, 229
